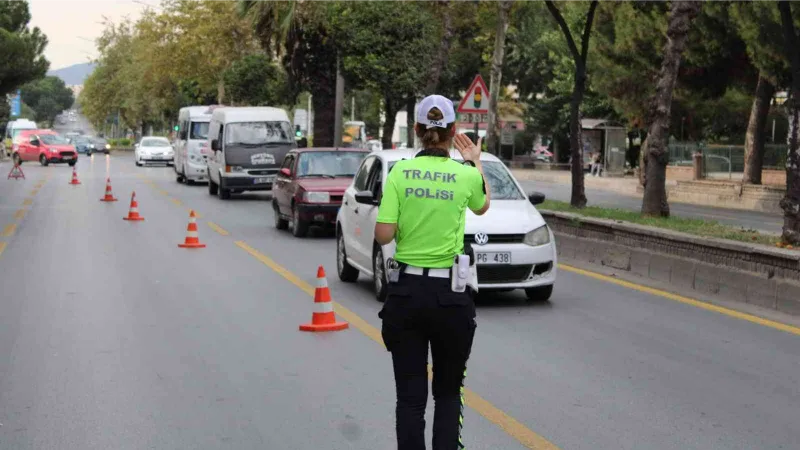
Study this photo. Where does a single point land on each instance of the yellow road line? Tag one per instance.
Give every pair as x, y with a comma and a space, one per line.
34, 192
163, 192
176, 201
2, 247
511, 426
9, 229
28, 202
685, 300
217, 228
19, 214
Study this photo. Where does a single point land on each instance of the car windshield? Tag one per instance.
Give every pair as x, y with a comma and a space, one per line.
80, 140
100, 141
155, 142
199, 130
53, 139
333, 163
258, 133
501, 183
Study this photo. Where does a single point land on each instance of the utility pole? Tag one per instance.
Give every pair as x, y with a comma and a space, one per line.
353, 108
339, 107
308, 117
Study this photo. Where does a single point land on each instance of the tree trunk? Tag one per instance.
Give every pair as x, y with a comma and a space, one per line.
442, 59
756, 132
496, 80
220, 92
324, 114
791, 201
411, 103
388, 123
654, 202
578, 197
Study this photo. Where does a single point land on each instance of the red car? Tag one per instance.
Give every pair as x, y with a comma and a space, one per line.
45, 146
309, 187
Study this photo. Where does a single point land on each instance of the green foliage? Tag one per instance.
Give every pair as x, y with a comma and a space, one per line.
21, 54
389, 49
255, 81
48, 97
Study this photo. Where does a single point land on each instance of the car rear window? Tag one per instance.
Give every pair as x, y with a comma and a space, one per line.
339, 164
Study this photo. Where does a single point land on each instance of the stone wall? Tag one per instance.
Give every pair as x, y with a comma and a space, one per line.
729, 195
748, 273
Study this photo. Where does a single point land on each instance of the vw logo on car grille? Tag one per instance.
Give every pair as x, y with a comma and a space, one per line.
481, 238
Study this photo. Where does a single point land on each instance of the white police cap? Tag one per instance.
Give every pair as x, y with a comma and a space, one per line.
444, 105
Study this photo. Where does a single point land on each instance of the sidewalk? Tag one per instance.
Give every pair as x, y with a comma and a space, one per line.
626, 185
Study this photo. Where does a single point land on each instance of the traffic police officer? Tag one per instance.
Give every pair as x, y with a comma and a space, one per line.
424, 209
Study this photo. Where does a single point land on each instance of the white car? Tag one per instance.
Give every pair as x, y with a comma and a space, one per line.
154, 149
514, 247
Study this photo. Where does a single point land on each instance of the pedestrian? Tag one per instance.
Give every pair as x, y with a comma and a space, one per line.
596, 166
430, 302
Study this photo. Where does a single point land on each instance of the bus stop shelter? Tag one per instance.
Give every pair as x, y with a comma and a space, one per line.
610, 139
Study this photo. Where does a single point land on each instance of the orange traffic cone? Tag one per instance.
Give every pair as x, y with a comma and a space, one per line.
74, 177
133, 214
192, 240
323, 318
109, 197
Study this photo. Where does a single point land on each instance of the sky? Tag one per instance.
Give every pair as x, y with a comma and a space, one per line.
72, 26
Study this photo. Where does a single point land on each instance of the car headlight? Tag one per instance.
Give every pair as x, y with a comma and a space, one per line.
539, 236
53, 150
108, 146
316, 197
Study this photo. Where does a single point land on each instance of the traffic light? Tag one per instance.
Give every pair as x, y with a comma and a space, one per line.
176, 128
297, 131
476, 99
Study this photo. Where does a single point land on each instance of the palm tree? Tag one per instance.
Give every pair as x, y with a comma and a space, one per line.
297, 33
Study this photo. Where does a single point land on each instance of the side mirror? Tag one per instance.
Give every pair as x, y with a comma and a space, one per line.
366, 198
35, 142
536, 198
183, 135
215, 145
286, 172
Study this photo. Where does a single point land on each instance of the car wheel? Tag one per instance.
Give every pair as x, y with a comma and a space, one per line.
539, 293
222, 193
280, 222
17, 159
107, 152
43, 160
212, 187
88, 153
299, 227
379, 279
72, 163
347, 273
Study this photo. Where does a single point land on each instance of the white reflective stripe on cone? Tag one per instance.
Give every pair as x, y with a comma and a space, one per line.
192, 234
322, 282
136, 210
323, 307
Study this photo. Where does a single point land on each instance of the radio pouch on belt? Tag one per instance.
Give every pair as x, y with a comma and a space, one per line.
460, 274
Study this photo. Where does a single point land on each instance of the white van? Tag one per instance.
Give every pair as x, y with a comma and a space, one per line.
190, 162
247, 146
13, 128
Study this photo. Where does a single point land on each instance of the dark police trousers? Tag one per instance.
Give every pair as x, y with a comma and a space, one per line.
421, 311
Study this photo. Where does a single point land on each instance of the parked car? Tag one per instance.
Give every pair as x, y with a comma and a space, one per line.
45, 146
153, 149
247, 146
514, 247
309, 187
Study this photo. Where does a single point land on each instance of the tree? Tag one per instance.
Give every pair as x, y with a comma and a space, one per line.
255, 81
299, 33
388, 51
496, 79
578, 197
654, 202
756, 131
48, 97
21, 58
791, 201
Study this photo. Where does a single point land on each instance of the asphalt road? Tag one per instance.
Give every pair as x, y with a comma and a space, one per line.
113, 337
752, 220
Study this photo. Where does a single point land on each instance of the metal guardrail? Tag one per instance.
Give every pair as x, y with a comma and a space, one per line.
724, 158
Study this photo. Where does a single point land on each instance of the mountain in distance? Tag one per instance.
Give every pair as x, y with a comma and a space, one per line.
74, 74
